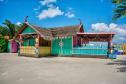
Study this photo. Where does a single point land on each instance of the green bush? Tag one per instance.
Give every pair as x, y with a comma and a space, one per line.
3, 45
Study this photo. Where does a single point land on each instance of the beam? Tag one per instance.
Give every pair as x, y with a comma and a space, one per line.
20, 37
109, 45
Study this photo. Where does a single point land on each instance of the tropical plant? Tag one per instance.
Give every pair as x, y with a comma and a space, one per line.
4, 31
120, 10
3, 44
17, 27
8, 29
11, 27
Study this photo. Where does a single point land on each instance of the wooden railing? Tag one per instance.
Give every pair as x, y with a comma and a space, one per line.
27, 50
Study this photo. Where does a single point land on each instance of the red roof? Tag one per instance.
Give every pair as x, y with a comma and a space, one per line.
55, 32
100, 34
97, 33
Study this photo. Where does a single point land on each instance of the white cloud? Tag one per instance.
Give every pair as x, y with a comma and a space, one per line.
50, 13
51, 6
18, 23
52, 10
69, 14
100, 27
46, 2
120, 31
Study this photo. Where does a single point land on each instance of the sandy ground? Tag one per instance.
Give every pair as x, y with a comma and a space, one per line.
61, 70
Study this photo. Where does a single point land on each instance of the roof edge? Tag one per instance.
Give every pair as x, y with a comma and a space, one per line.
34, 29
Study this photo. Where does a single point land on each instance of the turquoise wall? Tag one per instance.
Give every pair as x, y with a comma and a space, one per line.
30, 41
28, 30
90, 51
92, 48
66, 48
9, 46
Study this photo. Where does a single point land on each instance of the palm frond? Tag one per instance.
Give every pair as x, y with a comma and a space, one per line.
120, 10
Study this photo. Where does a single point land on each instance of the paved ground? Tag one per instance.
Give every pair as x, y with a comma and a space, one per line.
61, 70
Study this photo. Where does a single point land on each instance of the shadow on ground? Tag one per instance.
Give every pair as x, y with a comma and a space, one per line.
121, 64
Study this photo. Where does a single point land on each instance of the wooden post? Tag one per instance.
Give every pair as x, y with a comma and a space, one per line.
109, 45
51, 45
81, 42
20, 44
72, 43
20, 37
37, 46
38, 40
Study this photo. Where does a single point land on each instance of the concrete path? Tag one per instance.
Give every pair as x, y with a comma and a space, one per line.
61, 70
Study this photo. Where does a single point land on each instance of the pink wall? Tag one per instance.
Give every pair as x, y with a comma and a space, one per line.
14, 46
76, 41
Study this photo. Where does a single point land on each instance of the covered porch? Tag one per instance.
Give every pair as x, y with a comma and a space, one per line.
92, 44
34, 45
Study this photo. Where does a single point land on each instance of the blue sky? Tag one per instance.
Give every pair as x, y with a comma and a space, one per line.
53, 13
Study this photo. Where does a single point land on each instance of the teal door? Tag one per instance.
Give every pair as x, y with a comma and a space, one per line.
9, 47
62, 46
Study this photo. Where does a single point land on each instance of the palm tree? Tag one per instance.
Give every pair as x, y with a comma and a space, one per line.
120, 10
11, 27
17, 27
3, 41
3, 31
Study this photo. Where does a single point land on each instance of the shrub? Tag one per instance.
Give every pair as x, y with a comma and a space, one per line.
3, 45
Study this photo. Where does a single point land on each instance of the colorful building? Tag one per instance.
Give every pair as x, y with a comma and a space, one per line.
63, 41
12, 46
121, 48
34, 41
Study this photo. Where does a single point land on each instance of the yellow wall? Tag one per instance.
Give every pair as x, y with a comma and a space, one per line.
124, 48
44, 50
27, 50
30, 51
